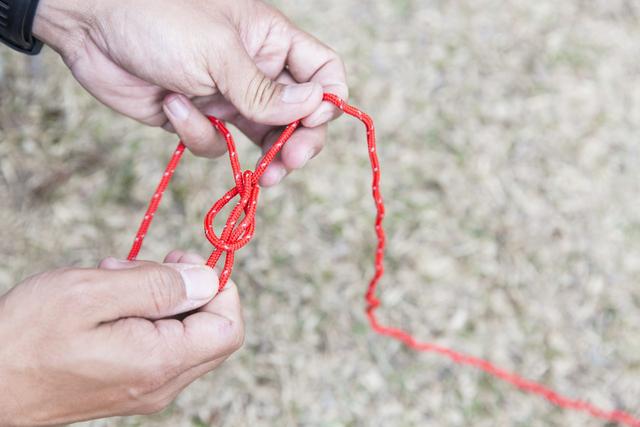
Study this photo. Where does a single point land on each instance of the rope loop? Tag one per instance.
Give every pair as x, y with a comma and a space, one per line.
237, 233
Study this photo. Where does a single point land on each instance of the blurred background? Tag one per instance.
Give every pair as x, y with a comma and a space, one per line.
509, 145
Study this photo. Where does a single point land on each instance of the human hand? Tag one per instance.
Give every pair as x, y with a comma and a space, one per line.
78, 344
242, 61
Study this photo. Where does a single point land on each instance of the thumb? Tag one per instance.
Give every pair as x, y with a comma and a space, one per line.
154, 291
259, 98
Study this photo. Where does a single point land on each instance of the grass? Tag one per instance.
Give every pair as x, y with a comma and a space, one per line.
508, 135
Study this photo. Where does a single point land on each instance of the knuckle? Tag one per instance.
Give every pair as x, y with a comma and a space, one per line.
171, 356
201, 86
76, 287
344, 87
339, 80
199, 80
161, 287
216, 59
226, 339
62, 288
258, 95
238, 341
333, 55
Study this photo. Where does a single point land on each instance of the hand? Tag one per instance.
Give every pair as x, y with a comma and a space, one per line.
241, 60
77, 344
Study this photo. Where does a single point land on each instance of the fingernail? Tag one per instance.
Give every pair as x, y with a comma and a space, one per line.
178, 108
296, 94
200, 282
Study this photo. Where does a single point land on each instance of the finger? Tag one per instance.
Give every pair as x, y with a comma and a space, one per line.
304, 145
182, 257
215, 331
192, 258
150, 290
112, 263
256, 96
274, 174
174, 256
311, 60
193, 127
218, 106
177, 383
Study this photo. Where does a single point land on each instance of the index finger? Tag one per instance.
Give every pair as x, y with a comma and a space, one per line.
311, 60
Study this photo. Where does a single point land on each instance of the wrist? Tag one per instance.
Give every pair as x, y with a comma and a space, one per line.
63, 24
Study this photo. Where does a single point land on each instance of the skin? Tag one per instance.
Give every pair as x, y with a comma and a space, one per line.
79, 344
168, 63
126, 337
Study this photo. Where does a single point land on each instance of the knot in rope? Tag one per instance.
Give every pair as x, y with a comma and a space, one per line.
237, 233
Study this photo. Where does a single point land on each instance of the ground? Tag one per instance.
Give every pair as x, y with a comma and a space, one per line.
509, 148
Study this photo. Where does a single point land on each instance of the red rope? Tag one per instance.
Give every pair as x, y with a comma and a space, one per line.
239, 230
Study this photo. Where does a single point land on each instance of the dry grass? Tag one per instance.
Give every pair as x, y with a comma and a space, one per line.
510, 156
